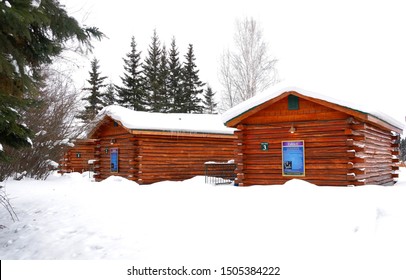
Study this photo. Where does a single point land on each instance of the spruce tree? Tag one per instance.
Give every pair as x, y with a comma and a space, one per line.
109, 96
192, 86
163, 80
402, 149
95, 96
151, 73
30, 37
175, 90
132, 94
208, 102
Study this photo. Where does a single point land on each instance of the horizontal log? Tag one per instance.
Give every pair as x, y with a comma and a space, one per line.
177, 140
326, 173
331, 122
254, 161
277, 144
342, 177
302, 135
279, 117
186, 153
353, 133
378, 131
379, 180
326, 129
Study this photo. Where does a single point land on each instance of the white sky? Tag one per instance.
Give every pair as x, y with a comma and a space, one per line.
355, 50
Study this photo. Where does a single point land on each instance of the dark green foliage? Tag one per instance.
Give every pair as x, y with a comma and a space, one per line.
192, 86
109, 96
164, 85
175, 91
151, 72
32, 36
209, 104
29, 38
402, 148
165, 102
51, 119
132, 94
95, 96
12, 131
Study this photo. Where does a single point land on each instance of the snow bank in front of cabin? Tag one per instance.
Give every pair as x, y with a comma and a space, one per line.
280, 88
193, 123
310, 232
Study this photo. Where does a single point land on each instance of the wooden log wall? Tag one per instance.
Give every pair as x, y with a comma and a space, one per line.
339, 151
112, 135
72, 163
326, 153
179, 157
127, 146
321, 128
150, 157
376, 154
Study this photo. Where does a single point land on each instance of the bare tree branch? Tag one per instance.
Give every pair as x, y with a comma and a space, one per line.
249, 69
53, 122
5, 202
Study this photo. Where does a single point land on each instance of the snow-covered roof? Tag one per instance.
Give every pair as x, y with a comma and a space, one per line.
260, 99
166, 122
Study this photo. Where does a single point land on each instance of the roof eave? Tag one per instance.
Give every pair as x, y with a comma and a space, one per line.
181, 133
350, 111
247, 113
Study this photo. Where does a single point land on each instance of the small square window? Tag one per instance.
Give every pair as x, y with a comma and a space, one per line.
293, 102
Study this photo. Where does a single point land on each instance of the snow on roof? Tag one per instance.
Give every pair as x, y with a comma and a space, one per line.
171, 122
282, 88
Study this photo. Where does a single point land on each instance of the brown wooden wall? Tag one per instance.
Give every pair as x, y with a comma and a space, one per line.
339, 151
179, 158
72, 163
375, 156
112, 135
150, 157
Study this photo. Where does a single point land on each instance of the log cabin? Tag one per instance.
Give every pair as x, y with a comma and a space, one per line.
79, 157
293, 133
150, 147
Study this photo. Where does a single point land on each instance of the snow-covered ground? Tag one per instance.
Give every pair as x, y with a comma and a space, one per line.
309, 232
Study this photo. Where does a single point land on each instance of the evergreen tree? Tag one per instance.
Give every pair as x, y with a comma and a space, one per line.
208, 102
132, 94
402, 149
163, 81
192, 86
31, 36
109, 96
151, 72
175, 91
13, 132
95, 97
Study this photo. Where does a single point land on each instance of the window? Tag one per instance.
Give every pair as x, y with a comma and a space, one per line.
293, 102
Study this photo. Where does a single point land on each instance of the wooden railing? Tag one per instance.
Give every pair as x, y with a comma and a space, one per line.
219, 172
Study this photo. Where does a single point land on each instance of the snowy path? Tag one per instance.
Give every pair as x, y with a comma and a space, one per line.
71, 218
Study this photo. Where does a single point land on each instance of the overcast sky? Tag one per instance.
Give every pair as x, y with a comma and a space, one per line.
354, 50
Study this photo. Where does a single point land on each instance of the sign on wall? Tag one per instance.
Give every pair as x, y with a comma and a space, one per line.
114, 159
293, 158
